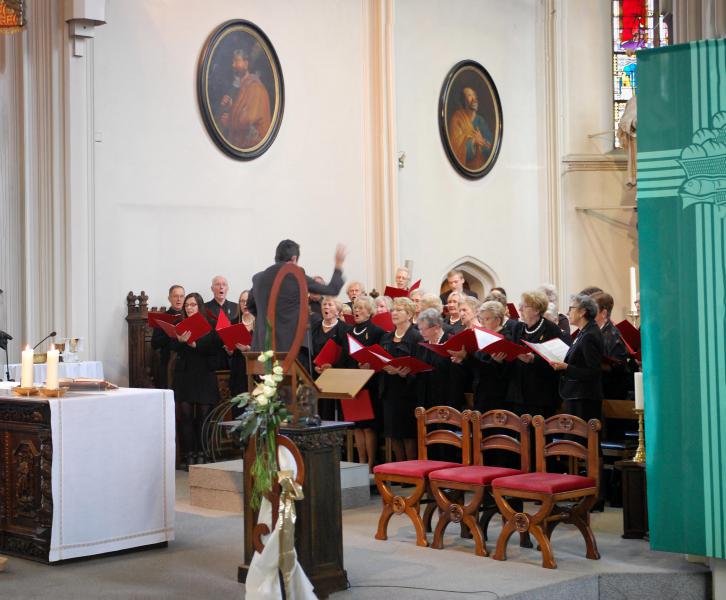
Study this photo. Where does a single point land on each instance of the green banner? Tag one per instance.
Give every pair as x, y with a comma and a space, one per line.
682, 244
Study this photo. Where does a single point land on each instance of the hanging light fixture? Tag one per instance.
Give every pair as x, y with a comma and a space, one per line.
12, 16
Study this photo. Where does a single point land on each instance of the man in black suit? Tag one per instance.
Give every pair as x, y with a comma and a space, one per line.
162, 342
456, 284
288, 301
219, 288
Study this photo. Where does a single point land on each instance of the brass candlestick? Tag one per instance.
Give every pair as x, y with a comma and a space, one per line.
639, 455
634, 318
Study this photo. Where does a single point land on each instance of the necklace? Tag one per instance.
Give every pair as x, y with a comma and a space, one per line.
536, 329
399, 337
329, 325
361, 332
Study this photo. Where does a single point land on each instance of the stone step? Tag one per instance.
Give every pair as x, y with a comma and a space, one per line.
219, 485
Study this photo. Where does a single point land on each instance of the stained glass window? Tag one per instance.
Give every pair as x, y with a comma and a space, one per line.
637, 24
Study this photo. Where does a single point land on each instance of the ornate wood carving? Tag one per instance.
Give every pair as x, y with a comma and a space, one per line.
139, 347
316, 440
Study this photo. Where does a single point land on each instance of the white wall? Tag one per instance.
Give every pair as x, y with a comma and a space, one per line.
170, 207
444, 216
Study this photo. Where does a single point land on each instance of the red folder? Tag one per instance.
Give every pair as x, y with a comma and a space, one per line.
197, 324
477, 339
574, 334
359, 408
384, 321
631, 336
329, 355
394, 292
415, 286
513, 312
235, 334
374, 355
410, 362
222, 320
154, 318
349, 319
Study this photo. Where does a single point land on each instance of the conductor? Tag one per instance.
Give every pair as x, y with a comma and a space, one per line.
288, 300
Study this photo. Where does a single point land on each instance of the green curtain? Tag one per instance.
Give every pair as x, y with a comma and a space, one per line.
682, 244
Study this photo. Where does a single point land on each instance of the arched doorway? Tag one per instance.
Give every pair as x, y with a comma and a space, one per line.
479, 277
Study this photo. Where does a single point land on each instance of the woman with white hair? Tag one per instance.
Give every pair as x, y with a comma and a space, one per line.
553, 313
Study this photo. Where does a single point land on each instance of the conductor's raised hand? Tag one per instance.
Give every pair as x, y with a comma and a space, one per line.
340, 254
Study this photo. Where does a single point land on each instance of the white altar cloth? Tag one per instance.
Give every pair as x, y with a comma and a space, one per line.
86, 368
112, 476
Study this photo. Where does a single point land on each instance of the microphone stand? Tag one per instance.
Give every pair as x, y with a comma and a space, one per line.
4, 346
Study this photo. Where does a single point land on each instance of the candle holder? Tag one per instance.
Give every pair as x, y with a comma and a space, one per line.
634, 318
639, 455
25, 391
56, 393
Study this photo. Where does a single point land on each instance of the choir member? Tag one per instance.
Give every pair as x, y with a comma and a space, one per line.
581, 371
617, 376
457, 283
468, 312
366, 333
415, 297
354, 289
533, 385
443, 384
162, 342
383, 304
329, 328
453, 321
562, 321
195, 382
399, 390
490, 370
237, 363
219, 302
403, 277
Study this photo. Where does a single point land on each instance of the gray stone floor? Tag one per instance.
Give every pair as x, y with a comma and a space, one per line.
202, 563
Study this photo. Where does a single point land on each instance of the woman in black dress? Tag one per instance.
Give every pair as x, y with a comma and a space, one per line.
366, 333
237, 365
452, 320
195, 382
399, 388
328, 328
581, 371
533, 385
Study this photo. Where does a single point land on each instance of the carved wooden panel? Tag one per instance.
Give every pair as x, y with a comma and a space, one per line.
26, 502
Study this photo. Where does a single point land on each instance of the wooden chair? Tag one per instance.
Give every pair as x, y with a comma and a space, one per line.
551, 489
448, 486
415, 472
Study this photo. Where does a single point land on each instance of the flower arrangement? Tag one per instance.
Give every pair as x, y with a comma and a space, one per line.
263, 413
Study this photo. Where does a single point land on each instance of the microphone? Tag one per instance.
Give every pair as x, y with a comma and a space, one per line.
3, 335
50, 335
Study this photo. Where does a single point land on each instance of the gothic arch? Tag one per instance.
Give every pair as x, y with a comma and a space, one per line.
480, 276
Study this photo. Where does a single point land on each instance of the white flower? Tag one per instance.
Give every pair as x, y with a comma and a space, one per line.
268, 379
261, 358
277, 378
269, 391
277, 370
262, 401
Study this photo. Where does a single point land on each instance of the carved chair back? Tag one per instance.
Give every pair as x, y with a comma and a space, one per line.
487, 435
434, 426
564, 431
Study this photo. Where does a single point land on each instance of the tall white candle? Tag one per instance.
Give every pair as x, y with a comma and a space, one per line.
26, 372
633, 290
51, 378
639, 398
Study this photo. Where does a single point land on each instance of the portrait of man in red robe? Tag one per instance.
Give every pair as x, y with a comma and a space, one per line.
245, 116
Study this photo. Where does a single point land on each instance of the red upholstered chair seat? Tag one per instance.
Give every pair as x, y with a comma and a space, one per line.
413, 468
475, 474
548, 483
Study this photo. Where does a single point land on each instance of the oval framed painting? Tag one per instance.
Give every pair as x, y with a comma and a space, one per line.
241, 90
470, 119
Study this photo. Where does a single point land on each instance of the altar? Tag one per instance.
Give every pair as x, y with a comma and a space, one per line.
85, 474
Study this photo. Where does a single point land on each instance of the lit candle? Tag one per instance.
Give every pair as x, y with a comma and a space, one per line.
51, 378
26, 372
639, 404
633, 291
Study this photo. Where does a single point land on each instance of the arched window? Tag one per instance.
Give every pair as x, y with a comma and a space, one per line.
637, 24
